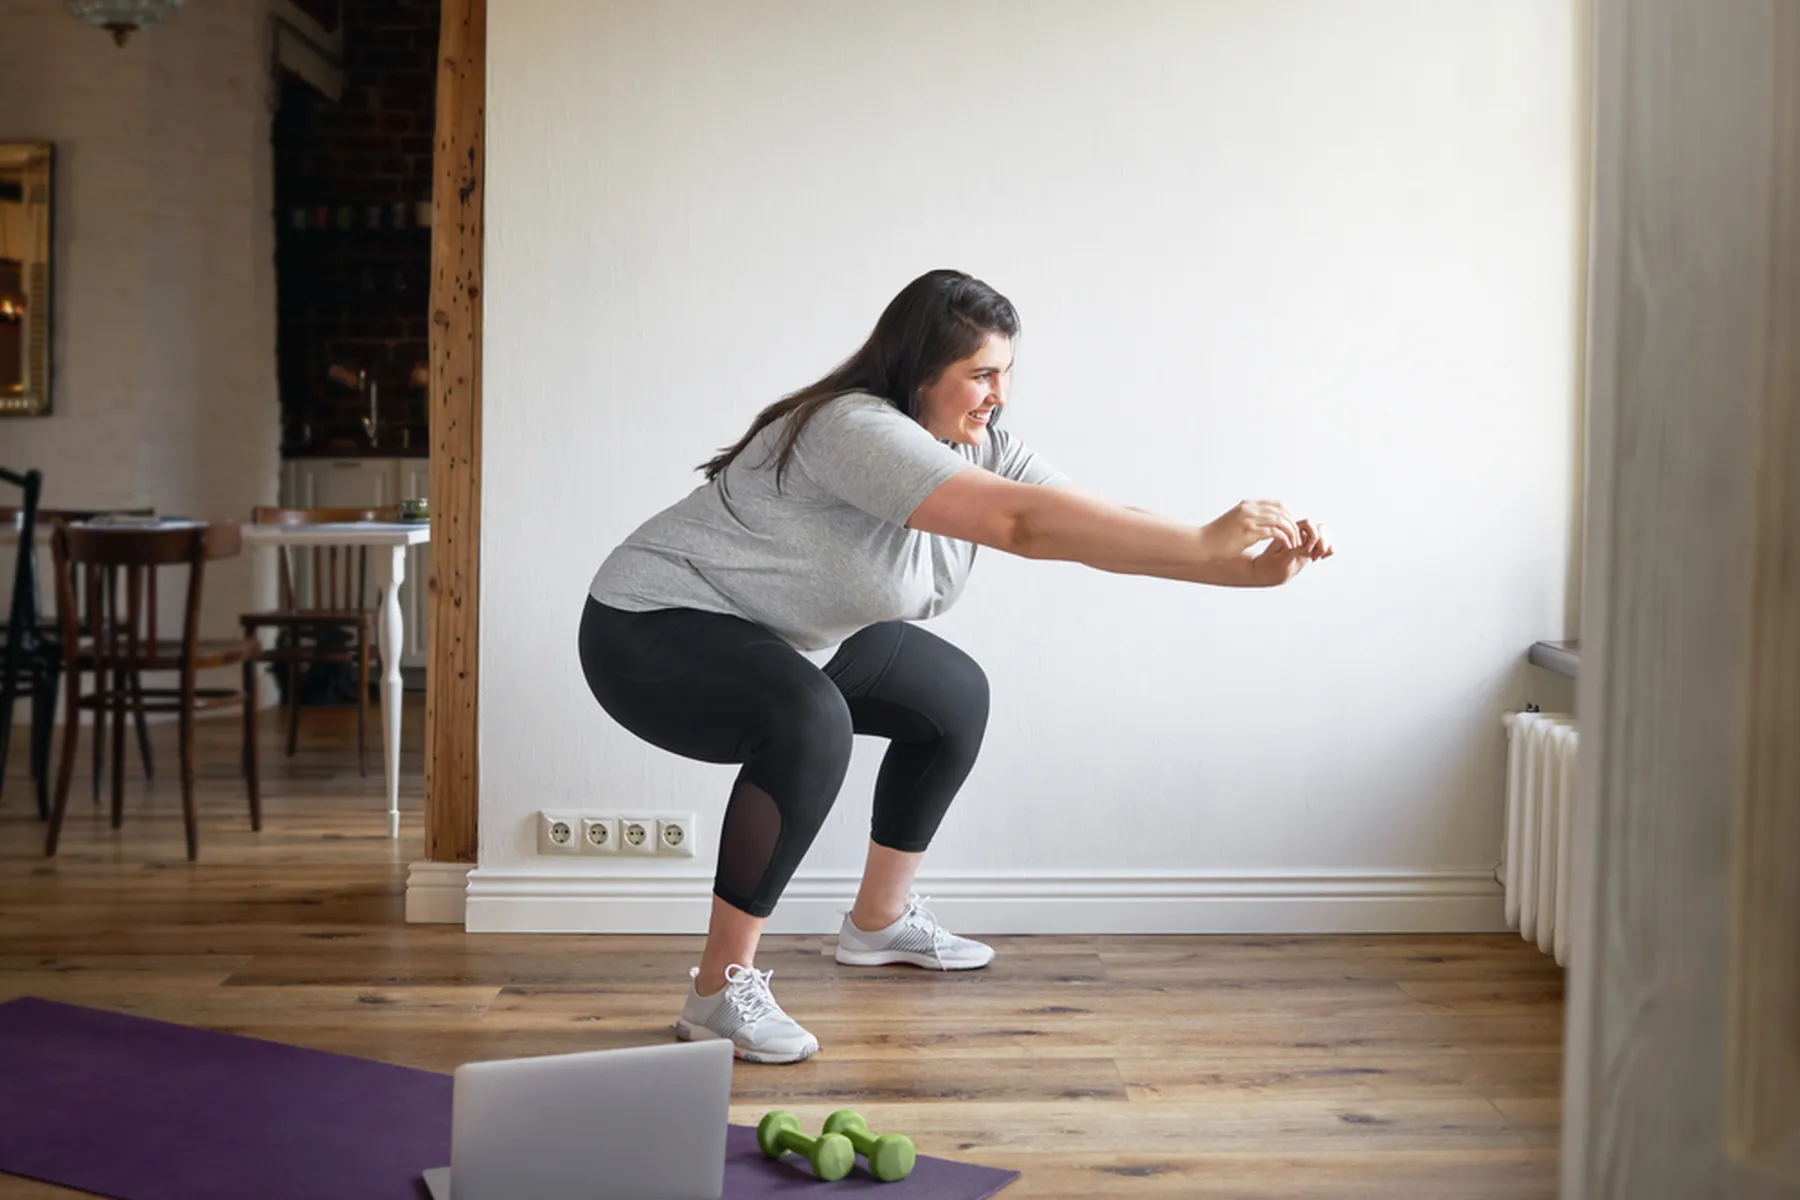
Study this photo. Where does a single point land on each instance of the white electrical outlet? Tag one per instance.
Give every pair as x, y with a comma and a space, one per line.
599, 835
670, 835
675, 835
637, 835
558, 833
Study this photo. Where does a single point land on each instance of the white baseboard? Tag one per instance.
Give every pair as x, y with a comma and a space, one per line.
1258, 902
436, 893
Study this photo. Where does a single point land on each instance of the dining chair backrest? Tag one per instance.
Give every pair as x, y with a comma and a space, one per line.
323, 578
107, 577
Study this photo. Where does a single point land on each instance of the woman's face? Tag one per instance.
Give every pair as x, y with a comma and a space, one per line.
957, 406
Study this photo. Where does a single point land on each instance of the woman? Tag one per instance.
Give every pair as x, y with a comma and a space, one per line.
762, 620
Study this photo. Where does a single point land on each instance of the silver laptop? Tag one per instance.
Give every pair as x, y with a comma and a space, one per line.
641, 1123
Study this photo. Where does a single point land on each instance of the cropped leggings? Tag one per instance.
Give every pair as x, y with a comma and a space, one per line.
725, 690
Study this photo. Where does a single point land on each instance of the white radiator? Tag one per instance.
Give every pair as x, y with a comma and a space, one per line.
1540, 794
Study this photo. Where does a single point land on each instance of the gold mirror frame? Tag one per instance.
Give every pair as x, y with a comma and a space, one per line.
27, 239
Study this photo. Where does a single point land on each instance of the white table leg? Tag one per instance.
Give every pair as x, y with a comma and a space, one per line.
393, 642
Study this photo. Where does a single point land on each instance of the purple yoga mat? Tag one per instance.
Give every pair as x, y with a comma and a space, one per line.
145, 1110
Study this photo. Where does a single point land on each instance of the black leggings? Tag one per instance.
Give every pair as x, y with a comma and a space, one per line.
725, 690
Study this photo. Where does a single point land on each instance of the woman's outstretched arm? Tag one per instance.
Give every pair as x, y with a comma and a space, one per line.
1071, 526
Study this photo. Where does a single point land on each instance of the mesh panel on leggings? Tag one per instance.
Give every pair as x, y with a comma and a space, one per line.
747, 841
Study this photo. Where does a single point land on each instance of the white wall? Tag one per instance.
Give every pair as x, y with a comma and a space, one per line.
165, 275
1313, 250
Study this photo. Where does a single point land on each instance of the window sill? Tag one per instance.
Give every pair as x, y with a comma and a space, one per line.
1561, 657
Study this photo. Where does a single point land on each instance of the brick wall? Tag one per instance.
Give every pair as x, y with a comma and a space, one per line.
358, 297
164, 298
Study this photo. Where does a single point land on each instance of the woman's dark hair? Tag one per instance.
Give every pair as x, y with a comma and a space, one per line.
937, 319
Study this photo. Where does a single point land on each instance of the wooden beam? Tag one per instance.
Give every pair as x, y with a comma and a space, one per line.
452, 706
1684, 964
1764, 1104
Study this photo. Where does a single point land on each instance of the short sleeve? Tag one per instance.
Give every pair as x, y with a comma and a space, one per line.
1015, 460
869, 454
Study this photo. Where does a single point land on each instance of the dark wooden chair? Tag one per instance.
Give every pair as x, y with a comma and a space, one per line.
32, 664
74, 516
331, 597
45, 636
106, 589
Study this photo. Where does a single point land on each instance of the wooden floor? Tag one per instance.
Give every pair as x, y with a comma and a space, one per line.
1379, 1067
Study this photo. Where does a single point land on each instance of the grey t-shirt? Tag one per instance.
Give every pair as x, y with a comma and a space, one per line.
829, 553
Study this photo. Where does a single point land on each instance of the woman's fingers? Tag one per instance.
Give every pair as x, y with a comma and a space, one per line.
1272, 520
1291, 542
1272, 531
1257, 525
1321, 547
1288, 523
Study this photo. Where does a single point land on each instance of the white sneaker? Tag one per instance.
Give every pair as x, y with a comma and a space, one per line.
744, 1011
916, 938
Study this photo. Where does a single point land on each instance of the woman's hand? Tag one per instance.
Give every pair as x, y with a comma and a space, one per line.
1279, 563
1248, 523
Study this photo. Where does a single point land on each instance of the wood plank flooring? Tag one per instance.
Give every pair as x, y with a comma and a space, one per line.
1195, 1067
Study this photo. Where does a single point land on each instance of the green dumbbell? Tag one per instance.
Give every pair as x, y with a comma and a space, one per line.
831, 1154
890, 1156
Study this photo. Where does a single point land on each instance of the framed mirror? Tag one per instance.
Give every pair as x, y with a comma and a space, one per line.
26, 205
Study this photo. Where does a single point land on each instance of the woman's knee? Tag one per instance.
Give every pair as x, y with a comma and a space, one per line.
809, 733
964, 696
973, 691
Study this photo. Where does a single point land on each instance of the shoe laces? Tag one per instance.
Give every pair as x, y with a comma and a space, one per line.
748, 990
920, 917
